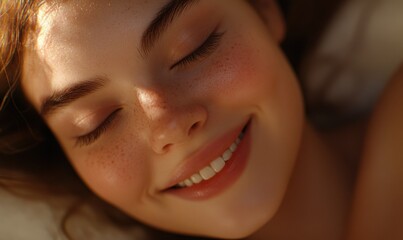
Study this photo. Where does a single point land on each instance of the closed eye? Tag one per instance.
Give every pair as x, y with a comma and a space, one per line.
94, 135
204, 50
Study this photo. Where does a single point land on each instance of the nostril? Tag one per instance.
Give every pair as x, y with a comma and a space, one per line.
166, 148
194, 127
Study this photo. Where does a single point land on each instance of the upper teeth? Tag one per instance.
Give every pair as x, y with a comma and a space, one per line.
215, 166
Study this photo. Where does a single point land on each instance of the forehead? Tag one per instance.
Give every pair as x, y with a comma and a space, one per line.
69, 21
74, 36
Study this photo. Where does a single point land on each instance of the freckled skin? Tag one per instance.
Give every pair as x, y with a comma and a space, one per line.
169, 114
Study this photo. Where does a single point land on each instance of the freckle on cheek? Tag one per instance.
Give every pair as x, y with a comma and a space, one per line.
118, 163
232, 71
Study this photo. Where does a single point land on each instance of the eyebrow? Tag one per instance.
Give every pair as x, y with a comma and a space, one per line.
172, 10
62, 98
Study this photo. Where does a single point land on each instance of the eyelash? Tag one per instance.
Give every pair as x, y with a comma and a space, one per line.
203, 50
91, 137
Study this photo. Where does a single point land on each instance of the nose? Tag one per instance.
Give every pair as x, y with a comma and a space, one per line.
171, 124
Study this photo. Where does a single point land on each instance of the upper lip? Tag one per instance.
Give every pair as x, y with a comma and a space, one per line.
205, 155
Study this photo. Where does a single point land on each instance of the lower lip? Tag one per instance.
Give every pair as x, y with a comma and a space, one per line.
222, 180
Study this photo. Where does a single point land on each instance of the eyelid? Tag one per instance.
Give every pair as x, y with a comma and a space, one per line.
92, 136
204, 49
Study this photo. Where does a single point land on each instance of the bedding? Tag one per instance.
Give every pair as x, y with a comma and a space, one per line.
22, 218
358, 53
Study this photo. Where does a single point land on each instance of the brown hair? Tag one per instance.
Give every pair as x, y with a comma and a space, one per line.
15, 133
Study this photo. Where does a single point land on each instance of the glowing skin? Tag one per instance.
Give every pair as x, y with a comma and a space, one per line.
165, 114
377, 209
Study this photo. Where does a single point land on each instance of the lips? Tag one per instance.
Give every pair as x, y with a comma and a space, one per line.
213, 168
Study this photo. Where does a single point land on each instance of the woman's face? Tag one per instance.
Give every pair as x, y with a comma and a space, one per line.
143, 105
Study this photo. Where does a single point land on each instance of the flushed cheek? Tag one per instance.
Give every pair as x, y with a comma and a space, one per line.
240, 74
117, 172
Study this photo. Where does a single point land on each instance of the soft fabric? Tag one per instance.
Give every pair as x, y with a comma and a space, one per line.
25, 219
359, 51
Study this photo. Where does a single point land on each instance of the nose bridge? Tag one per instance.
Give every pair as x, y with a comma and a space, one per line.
170, 121
154, 105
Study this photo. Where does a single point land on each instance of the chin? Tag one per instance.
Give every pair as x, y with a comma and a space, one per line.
244, 216
239, 227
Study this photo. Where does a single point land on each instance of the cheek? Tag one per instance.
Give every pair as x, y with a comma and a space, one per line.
117, 173
240, 75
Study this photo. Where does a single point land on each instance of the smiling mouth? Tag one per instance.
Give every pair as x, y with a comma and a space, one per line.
215, 166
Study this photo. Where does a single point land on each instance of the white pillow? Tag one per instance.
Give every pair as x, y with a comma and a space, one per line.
365, 38
25, 219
